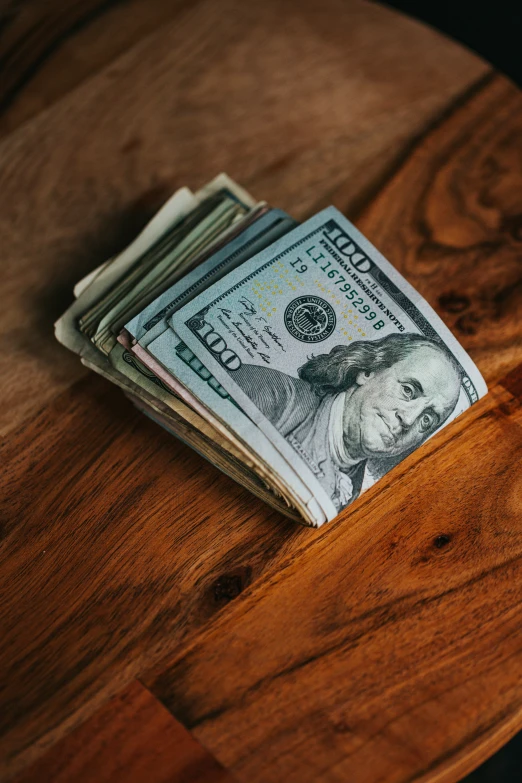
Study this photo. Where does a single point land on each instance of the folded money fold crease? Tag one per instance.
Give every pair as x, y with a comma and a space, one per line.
295, 358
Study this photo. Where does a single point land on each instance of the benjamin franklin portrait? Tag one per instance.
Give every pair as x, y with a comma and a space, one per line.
370, 402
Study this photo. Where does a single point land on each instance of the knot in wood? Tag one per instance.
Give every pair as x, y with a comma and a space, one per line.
229, 586
442, 540
452, 302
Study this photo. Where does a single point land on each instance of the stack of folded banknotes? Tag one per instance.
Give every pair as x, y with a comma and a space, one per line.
292, 356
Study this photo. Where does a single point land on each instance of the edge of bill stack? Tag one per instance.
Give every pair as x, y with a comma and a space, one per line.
293, 357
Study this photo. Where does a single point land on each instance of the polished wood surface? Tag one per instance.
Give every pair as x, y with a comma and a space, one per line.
131, 739
47, 47
451, 222
300, 111
387, 648
383, 646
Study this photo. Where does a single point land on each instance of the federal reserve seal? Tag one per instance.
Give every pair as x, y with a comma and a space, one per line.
310, 319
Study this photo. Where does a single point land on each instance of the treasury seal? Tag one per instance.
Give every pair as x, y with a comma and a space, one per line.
310, 319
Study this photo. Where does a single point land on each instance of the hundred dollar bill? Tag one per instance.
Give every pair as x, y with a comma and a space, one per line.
205, 433
83, 284
112, 284
185, 376
263, 231
332, 354
162, 264
104, 279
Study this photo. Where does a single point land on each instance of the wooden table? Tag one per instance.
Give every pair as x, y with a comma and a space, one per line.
139, 586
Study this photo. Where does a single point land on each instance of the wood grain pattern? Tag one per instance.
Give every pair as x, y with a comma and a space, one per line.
451, 222
131, 739
120, 550
48, 48
111, 557
387, 648
290, 105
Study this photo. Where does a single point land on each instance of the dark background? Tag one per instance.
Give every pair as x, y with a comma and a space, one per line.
494, 31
